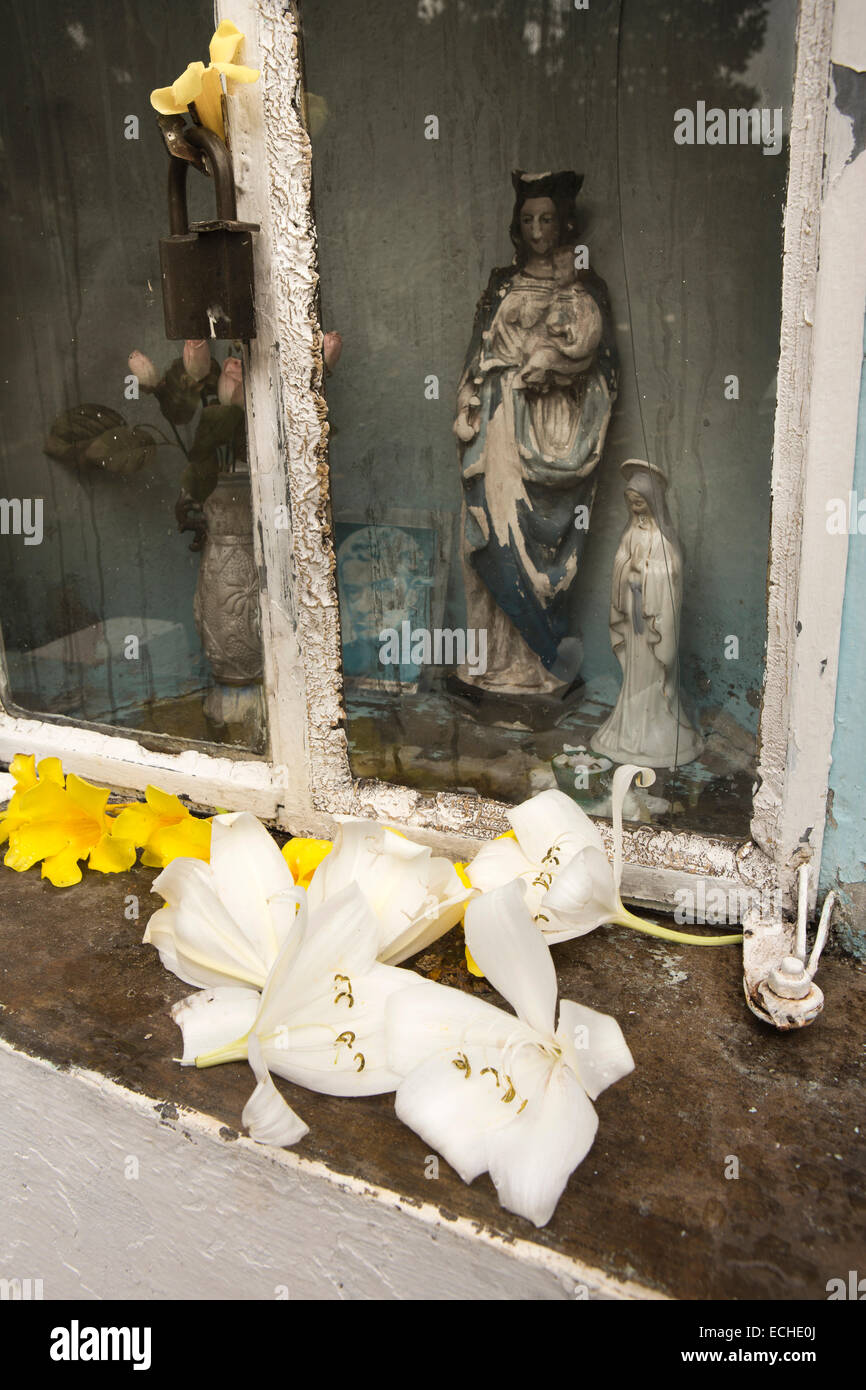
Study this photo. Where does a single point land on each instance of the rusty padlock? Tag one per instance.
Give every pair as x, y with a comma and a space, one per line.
207, 268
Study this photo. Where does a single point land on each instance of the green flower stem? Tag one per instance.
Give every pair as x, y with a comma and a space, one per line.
232, 1052
628, 919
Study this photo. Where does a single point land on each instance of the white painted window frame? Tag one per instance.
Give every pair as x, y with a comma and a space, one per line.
306, 778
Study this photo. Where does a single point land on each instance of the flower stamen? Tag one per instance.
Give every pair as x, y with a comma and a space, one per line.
344, 993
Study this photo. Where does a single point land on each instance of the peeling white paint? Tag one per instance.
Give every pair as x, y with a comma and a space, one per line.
814, 448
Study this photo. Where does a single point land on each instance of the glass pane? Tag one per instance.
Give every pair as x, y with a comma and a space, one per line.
519, 610
109, 613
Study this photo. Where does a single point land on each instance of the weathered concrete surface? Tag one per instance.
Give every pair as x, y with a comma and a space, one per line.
651, 1202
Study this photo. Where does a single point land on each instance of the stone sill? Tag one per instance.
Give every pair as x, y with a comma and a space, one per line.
89, 1082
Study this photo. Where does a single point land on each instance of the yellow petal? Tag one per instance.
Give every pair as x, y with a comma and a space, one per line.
166, 101
63, 869
304, 857
165, 804
225, 42
472, 967
460, 870
89, 798
23, 769
236, 72
188, 85
208, 103
30, 843
51, 770
135, 823
44, 801
111, 855
188, 839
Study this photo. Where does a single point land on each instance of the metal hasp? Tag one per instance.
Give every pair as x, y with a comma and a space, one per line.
778, 980
207, 268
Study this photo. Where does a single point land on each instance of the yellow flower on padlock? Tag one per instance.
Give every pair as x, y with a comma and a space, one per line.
202, 86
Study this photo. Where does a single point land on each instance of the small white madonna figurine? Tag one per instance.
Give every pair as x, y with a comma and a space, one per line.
648, 725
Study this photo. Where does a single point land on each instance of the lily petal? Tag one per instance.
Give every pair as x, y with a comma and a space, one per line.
322, 1017
454, 1101
596, 1048
581, 897
213, 1018
427, 1019
268, 1117
414, 897
507, 946
249, 872
496, 863
532, 1159
335, 1049
551, 818
196, 937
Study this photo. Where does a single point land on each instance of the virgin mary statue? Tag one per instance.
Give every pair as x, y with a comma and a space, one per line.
648, 725
533, 407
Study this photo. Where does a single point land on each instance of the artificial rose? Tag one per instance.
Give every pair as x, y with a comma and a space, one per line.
331, 349
230, 387
196, 358
141, 367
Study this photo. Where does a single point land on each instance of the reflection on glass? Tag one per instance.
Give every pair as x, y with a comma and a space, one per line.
136, 604
642, 326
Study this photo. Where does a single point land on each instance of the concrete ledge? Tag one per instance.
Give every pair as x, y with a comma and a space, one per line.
92, 1095
109, 1195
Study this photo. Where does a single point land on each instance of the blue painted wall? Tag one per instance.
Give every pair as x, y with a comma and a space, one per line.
844, 857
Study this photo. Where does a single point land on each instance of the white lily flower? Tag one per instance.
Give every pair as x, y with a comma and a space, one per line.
559, 856
415, 896
491, 1092
225, 922
320, 1020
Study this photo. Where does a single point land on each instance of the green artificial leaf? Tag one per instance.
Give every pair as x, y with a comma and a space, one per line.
179, 396
74, 430
122, 450
213, 376
199, 478
217, 425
